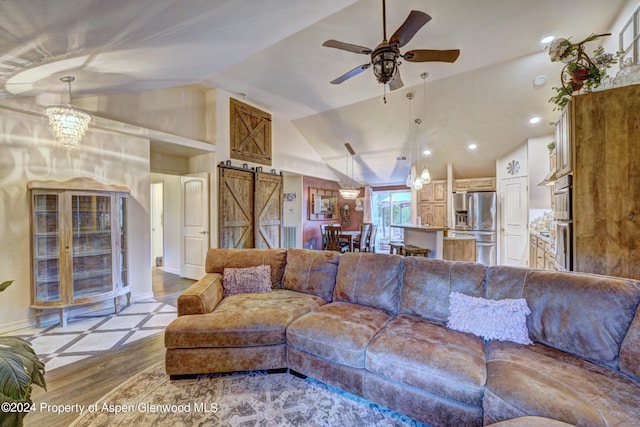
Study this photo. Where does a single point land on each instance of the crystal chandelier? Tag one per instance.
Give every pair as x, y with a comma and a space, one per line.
349, 192
69, 123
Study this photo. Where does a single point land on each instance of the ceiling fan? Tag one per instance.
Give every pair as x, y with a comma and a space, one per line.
385, 58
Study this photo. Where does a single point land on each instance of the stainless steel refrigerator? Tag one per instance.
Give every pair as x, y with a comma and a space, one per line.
475, 215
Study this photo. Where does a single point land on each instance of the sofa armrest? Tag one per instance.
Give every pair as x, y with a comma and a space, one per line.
201, 297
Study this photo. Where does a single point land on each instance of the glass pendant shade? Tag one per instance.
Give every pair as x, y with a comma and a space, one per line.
417, 184
69, 123
425, 176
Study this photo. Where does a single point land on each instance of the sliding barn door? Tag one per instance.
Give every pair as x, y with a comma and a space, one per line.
235, 208
268, 210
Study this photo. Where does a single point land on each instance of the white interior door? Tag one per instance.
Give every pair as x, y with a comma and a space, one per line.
515, 215
195, 225
157, 232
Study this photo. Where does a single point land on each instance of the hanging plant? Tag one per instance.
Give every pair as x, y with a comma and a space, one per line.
581, 72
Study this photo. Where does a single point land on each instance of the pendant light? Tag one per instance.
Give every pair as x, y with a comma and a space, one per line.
417, 182
349, 192
425, 176
69, 123
411, 177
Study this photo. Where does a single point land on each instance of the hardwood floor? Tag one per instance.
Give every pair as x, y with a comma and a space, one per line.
86, 381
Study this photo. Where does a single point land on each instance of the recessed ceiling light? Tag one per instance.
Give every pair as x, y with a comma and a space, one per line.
427, 152
534, 120
547, 39
540, 80
472, 146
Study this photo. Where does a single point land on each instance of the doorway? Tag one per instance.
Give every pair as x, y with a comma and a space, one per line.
390, 208
157, 226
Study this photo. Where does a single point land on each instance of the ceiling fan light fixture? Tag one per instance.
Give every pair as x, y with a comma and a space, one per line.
385, 64
69, 123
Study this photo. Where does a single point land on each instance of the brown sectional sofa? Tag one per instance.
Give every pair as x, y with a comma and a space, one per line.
375, 325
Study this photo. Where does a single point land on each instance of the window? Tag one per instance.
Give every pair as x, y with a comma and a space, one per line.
630, 39
389, 208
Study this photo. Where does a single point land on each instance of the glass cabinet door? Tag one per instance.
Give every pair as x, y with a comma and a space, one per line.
92, 251
124, 264
46, 247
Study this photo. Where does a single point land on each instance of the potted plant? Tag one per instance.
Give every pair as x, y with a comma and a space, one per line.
581, 72
20, 368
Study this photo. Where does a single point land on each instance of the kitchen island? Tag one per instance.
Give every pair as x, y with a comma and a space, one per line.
425, 236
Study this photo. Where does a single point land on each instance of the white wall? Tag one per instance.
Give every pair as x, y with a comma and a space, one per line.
29, 152
538, 161
178, 111
292, 216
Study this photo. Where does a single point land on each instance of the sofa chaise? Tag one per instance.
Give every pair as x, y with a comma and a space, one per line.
381, 327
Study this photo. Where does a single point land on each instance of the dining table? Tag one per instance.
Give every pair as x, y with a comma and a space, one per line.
349, 236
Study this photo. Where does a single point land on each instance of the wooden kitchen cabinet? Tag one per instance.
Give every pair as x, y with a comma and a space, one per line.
563, 143
475, 184
432, 199
606, 182
459, 249
439, 191
78, 245
438, 210
533, 247
425, 194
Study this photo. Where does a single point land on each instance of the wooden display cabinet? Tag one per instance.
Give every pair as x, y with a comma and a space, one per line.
78, 245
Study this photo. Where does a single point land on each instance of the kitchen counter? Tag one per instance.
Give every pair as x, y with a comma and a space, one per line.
425, 236
459, 238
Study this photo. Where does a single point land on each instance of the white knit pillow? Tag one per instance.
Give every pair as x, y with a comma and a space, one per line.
503, 320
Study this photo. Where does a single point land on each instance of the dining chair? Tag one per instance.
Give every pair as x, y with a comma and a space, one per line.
371, 239
334, 241
323, 232
360, 243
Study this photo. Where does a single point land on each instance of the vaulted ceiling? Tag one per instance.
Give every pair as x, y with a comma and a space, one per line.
272, 51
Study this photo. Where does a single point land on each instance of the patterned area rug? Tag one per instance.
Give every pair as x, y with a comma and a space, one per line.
239, 399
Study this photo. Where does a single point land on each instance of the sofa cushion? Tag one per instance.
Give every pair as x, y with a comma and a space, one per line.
630, 349
427, 284
542, 381
504, 320
246, 280
338, 331
242, 320
311, 272
583, 314
369, 279
414, 351
218, 259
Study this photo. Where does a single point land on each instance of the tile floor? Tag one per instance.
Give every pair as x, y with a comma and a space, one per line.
87, 336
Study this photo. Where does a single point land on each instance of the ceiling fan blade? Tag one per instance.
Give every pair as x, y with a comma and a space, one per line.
347, 46
428, 55
350, 74
396, 81
409, 28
